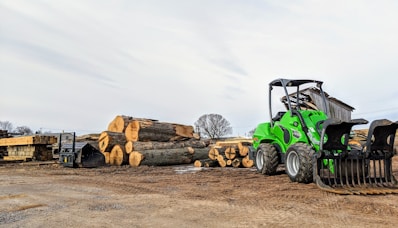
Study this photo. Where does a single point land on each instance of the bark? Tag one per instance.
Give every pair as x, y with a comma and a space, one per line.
200, 153
107, 140
161, 157
131, 146
148, 130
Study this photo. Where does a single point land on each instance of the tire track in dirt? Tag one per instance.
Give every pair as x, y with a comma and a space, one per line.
169, 195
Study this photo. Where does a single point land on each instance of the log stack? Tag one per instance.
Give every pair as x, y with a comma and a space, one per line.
234, 153
142, 141
25, 148
3, 149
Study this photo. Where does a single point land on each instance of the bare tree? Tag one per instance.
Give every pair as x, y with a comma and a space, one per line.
6, 125
213, 126
23, 130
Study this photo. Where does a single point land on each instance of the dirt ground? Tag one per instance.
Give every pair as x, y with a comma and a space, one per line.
178, 196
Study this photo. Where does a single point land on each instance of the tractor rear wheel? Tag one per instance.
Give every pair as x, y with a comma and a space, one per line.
267, 159
298, 163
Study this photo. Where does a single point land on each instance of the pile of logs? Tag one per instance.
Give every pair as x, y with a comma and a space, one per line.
141, 141
228, 153
25, 148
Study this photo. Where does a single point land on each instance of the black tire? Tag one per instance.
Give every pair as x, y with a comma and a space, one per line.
298, 163
266, 160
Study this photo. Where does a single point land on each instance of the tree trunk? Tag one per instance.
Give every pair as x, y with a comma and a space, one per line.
198, 163
236, 162
117, 156
148, 130
138, 146
221, 161
119, 123
213, 153
161, 157
107, 140
243, 149
205, 163
200, 153
129, 147
135, 158
246, 162
230, 152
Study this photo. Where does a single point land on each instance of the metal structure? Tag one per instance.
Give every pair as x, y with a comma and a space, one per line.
315, 147
312, 98
80, 154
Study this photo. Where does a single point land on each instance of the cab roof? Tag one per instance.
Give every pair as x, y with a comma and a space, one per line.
293, 83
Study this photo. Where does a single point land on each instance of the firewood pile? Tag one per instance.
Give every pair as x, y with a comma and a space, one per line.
141, 141
234, 153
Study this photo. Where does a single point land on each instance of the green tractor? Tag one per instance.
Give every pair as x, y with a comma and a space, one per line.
315, 148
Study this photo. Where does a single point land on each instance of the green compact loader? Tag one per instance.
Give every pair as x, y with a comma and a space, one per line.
315, 148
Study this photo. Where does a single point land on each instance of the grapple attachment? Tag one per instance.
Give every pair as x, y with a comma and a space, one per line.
344, 170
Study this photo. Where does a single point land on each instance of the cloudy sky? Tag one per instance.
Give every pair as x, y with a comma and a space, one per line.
75, 65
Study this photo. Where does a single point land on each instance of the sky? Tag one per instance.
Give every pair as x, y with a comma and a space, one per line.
75, 65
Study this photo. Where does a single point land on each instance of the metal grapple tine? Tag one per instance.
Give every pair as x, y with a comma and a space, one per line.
367, 171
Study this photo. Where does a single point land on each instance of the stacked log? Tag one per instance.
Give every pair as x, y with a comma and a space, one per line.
33, 147
4, 134
3, 149
142, 141
234, 153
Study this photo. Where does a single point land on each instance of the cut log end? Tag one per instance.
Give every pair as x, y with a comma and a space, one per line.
129, 147
236, 163
243, 151
117, 155
221, 161
230, 152
246, 162
107, 140
135, 158
119, 123
198, 163
213, 153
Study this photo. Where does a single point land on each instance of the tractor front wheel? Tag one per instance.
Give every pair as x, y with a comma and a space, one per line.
267, 159
299, 163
